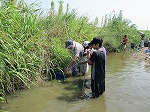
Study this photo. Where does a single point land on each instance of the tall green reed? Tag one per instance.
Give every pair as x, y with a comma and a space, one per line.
30, 42
18, 45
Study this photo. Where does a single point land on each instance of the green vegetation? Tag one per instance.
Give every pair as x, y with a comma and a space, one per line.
30, 42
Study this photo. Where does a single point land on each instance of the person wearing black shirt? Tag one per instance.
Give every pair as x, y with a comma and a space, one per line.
97, 60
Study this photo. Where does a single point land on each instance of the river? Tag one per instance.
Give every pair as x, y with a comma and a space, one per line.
127, 90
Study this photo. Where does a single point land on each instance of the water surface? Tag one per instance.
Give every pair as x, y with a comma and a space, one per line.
127, 90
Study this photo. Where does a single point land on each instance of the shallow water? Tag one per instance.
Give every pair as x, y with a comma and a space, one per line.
127, 90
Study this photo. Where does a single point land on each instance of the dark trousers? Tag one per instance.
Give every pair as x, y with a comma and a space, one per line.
97, 87
74, 70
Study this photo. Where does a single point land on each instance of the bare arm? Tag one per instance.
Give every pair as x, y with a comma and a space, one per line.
90, 62
88, 56
72, 61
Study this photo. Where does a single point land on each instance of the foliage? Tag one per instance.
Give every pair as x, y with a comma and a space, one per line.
60, 56
18, 57
30, 41
114, 28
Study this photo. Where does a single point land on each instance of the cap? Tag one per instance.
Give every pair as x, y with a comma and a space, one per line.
69, 43
86, 43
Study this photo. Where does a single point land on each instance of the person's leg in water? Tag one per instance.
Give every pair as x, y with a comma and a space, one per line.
101, 87
84, 70
83, 73
74, 70
125, 47
94, 88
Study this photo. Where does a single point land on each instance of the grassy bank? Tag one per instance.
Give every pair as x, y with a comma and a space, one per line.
30, 41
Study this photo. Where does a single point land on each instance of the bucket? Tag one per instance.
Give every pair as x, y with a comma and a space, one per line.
59, 75
147, 51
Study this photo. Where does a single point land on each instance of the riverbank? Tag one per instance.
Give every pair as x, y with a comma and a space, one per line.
141, 56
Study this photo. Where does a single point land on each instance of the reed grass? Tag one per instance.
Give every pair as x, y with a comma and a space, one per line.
30, 41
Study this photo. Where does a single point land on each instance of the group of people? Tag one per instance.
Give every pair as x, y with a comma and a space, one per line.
89, 53
125, 42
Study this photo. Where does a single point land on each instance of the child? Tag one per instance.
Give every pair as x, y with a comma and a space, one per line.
84, 67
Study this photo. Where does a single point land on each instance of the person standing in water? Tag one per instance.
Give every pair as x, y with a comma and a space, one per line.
125, 42
84, 67
97, 60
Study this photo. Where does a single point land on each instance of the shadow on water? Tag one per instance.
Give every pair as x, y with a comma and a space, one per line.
75, 86
127, 84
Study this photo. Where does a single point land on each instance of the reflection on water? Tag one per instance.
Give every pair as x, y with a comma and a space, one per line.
127, 90
127, 85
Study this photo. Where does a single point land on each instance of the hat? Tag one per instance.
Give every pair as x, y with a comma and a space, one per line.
69, 43
86, 43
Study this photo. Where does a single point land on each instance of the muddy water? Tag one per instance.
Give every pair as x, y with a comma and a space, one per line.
127, 90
